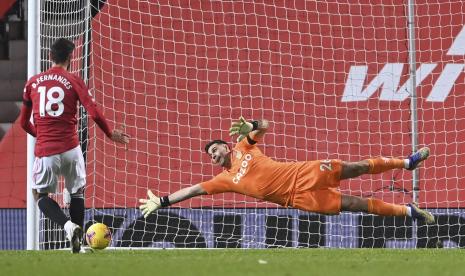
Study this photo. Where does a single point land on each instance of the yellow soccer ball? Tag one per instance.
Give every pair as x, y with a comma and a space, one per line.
98, 236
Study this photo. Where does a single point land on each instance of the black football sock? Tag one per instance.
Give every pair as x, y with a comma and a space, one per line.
52, 210
76, 210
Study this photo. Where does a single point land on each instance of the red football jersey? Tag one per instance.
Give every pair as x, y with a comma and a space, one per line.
54, 97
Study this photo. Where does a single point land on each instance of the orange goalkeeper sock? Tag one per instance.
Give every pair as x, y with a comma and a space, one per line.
381, 164
379, 207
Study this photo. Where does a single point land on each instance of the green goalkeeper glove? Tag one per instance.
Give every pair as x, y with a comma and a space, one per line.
242, 127
149, 205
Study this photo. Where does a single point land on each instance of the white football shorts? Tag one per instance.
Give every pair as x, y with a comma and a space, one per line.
69, 164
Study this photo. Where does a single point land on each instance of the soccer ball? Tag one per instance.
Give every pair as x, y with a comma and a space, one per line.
98, 236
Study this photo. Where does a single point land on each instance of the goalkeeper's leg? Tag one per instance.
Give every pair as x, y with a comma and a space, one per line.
382, 164
379, 207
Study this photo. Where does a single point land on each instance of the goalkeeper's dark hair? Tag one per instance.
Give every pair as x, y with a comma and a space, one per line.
211, 143
61, 50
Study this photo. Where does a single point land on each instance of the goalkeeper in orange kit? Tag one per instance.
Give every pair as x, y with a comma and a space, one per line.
311, 185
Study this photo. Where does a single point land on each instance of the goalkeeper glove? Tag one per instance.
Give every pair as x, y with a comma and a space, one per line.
242, 127
149, 205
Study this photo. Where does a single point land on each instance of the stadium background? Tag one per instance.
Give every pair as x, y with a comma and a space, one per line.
286, 62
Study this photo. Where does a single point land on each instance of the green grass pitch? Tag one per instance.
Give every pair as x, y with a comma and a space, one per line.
222, 262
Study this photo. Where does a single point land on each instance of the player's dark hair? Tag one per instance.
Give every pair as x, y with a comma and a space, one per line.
61, 50
211, 143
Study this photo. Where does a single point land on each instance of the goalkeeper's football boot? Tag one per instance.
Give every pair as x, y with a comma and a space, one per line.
418, 157
420, 214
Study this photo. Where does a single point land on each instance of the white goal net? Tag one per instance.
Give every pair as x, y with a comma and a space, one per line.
333, 79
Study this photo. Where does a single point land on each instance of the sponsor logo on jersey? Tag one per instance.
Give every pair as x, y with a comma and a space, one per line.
243, 169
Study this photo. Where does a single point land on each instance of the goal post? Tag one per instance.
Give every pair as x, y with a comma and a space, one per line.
33, 57
336, 79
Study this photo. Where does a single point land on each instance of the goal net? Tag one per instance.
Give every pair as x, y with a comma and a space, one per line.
333, 79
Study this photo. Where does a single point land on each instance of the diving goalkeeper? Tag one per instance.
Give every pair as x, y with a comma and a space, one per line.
310, 186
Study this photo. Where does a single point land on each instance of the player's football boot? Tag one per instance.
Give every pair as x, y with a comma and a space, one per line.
418, 157
74, 234
86, 250
76, 240
420, 214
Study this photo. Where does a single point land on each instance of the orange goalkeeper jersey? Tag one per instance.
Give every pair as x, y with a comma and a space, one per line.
256, 175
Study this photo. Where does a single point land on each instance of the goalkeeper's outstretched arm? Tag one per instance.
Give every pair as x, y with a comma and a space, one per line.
253, 130
154, 203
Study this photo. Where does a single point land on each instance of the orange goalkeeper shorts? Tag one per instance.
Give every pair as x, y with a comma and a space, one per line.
316, 187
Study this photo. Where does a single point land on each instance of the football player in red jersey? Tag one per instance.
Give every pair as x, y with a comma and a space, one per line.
52, 97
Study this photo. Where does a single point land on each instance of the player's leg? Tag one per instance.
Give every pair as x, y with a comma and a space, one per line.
53, 211
382, 164
76, 207
372, 206
379, 207
73, 170
371, 166
354, 169
50, 208
45, 179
